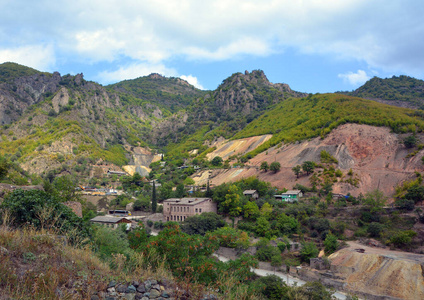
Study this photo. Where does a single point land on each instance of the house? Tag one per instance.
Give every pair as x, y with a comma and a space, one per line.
178, 209
118, 173
251, 193
112, 222
290, 196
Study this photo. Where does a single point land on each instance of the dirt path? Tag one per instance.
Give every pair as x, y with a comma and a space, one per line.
399, 255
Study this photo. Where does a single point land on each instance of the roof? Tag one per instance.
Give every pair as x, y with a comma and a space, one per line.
249, 192
292, 192
106, 219
186, 201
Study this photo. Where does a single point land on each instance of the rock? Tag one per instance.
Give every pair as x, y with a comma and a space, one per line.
131, 289
95, 297
156, 287
112, 284
129, 297
165, 294
154, 294
153, 281
135, 283
148, 285
121, 288
141, 288
111, 290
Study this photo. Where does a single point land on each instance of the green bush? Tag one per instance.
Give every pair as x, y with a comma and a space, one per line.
375, 229
43, 210
331, 244
271, 287
309, 250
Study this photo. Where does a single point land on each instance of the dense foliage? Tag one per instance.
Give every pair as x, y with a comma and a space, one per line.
396, 88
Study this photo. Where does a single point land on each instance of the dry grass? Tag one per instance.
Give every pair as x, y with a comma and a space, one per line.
39, 265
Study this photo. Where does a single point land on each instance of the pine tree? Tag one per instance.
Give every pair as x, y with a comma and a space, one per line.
208, 191
154, 200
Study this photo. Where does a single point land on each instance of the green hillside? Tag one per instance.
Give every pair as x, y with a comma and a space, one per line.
300, 119
171, 93
402, 88
10, 71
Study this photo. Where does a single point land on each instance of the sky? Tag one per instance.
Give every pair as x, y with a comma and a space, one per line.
315, 46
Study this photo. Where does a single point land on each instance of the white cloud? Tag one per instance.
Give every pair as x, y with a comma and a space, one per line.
37, 57
134, 71
192, 80
384, 35
355, 79
238, 47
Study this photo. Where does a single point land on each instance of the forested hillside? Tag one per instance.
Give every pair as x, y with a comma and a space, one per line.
399, 91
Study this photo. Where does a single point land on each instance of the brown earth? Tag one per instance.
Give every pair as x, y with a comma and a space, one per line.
376, 156
379, 271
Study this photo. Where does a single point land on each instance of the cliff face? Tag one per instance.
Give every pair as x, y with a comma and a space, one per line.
250, 92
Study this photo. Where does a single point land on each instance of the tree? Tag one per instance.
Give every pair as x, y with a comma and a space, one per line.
216, 161
4, 167
208, 190
266, 210
308, 167
375, 229
65, 188
275, 166
264, 166
296, 170
154, 200
286, 224
330, 244
200, 224
262, 227
189, 181
232, 203
309, 250
410, 141
43, 210
251, 211
375, 201
179, 193
142, 205
415, 193
272, 287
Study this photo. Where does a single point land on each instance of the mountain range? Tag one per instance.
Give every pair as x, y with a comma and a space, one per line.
50, 121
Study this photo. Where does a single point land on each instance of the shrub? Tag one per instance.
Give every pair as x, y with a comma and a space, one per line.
200, 224
403, 238
330, 243
271, 287
309, 250
275, 166
375, 229
43, 210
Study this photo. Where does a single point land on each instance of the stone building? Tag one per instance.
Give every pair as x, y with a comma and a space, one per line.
112, 222
178, 209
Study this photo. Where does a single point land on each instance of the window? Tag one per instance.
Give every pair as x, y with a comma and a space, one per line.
200, 210
196, 210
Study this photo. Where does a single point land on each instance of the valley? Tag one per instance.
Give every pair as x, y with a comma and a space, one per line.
355, 163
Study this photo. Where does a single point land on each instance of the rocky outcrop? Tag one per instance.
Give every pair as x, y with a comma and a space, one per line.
250, 92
